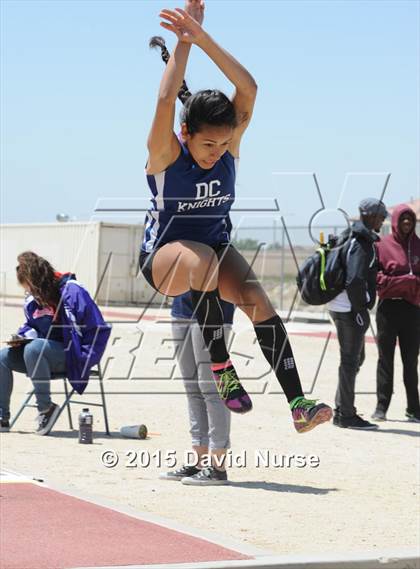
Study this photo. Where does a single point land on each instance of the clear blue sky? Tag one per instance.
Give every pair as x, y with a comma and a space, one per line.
338, 94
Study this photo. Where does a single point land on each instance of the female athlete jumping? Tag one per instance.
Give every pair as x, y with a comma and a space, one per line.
187, 232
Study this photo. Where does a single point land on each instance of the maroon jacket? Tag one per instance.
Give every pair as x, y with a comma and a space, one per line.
399, 262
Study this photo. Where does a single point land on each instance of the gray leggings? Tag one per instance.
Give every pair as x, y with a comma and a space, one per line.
209, 418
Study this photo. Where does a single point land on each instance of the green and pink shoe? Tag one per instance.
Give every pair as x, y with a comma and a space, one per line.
307, 414
230, 388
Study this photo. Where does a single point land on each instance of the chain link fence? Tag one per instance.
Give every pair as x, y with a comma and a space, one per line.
275, 253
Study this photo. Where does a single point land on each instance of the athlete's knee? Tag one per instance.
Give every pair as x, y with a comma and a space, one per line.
251, 294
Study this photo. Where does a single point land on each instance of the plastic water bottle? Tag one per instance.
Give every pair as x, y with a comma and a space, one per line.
85, 427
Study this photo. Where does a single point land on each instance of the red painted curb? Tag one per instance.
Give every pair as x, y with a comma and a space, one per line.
45, 529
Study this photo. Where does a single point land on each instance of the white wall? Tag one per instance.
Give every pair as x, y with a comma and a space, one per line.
67, 246
122, 283
83, 248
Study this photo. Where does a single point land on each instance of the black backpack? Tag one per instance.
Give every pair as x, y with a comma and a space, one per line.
322, 276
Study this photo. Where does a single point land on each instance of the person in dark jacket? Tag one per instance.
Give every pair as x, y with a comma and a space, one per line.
350, 309
398, 314
64, 333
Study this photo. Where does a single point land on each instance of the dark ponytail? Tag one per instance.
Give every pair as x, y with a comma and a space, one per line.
156, 41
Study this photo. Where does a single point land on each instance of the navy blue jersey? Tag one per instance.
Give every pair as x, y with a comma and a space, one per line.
182, 308
190, 202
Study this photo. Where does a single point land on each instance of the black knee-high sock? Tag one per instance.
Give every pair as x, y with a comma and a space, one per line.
209, 315
274, 343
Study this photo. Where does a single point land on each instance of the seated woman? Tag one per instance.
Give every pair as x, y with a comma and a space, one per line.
68, 336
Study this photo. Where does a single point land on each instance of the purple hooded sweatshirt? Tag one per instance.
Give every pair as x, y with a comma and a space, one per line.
78, 323
399, 261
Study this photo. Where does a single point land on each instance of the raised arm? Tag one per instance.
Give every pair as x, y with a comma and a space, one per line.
162, 143
245, 85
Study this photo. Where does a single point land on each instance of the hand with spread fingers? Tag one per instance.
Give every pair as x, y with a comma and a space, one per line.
183, 25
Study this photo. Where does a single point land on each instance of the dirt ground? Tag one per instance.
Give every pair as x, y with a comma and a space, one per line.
355, 491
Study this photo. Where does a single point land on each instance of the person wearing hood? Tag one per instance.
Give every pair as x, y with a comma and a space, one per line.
398, 313
64, 333
350, 309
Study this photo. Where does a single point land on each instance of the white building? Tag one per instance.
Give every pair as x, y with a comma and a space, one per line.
104, 257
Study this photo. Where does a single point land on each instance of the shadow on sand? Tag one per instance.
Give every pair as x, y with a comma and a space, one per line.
276, 487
